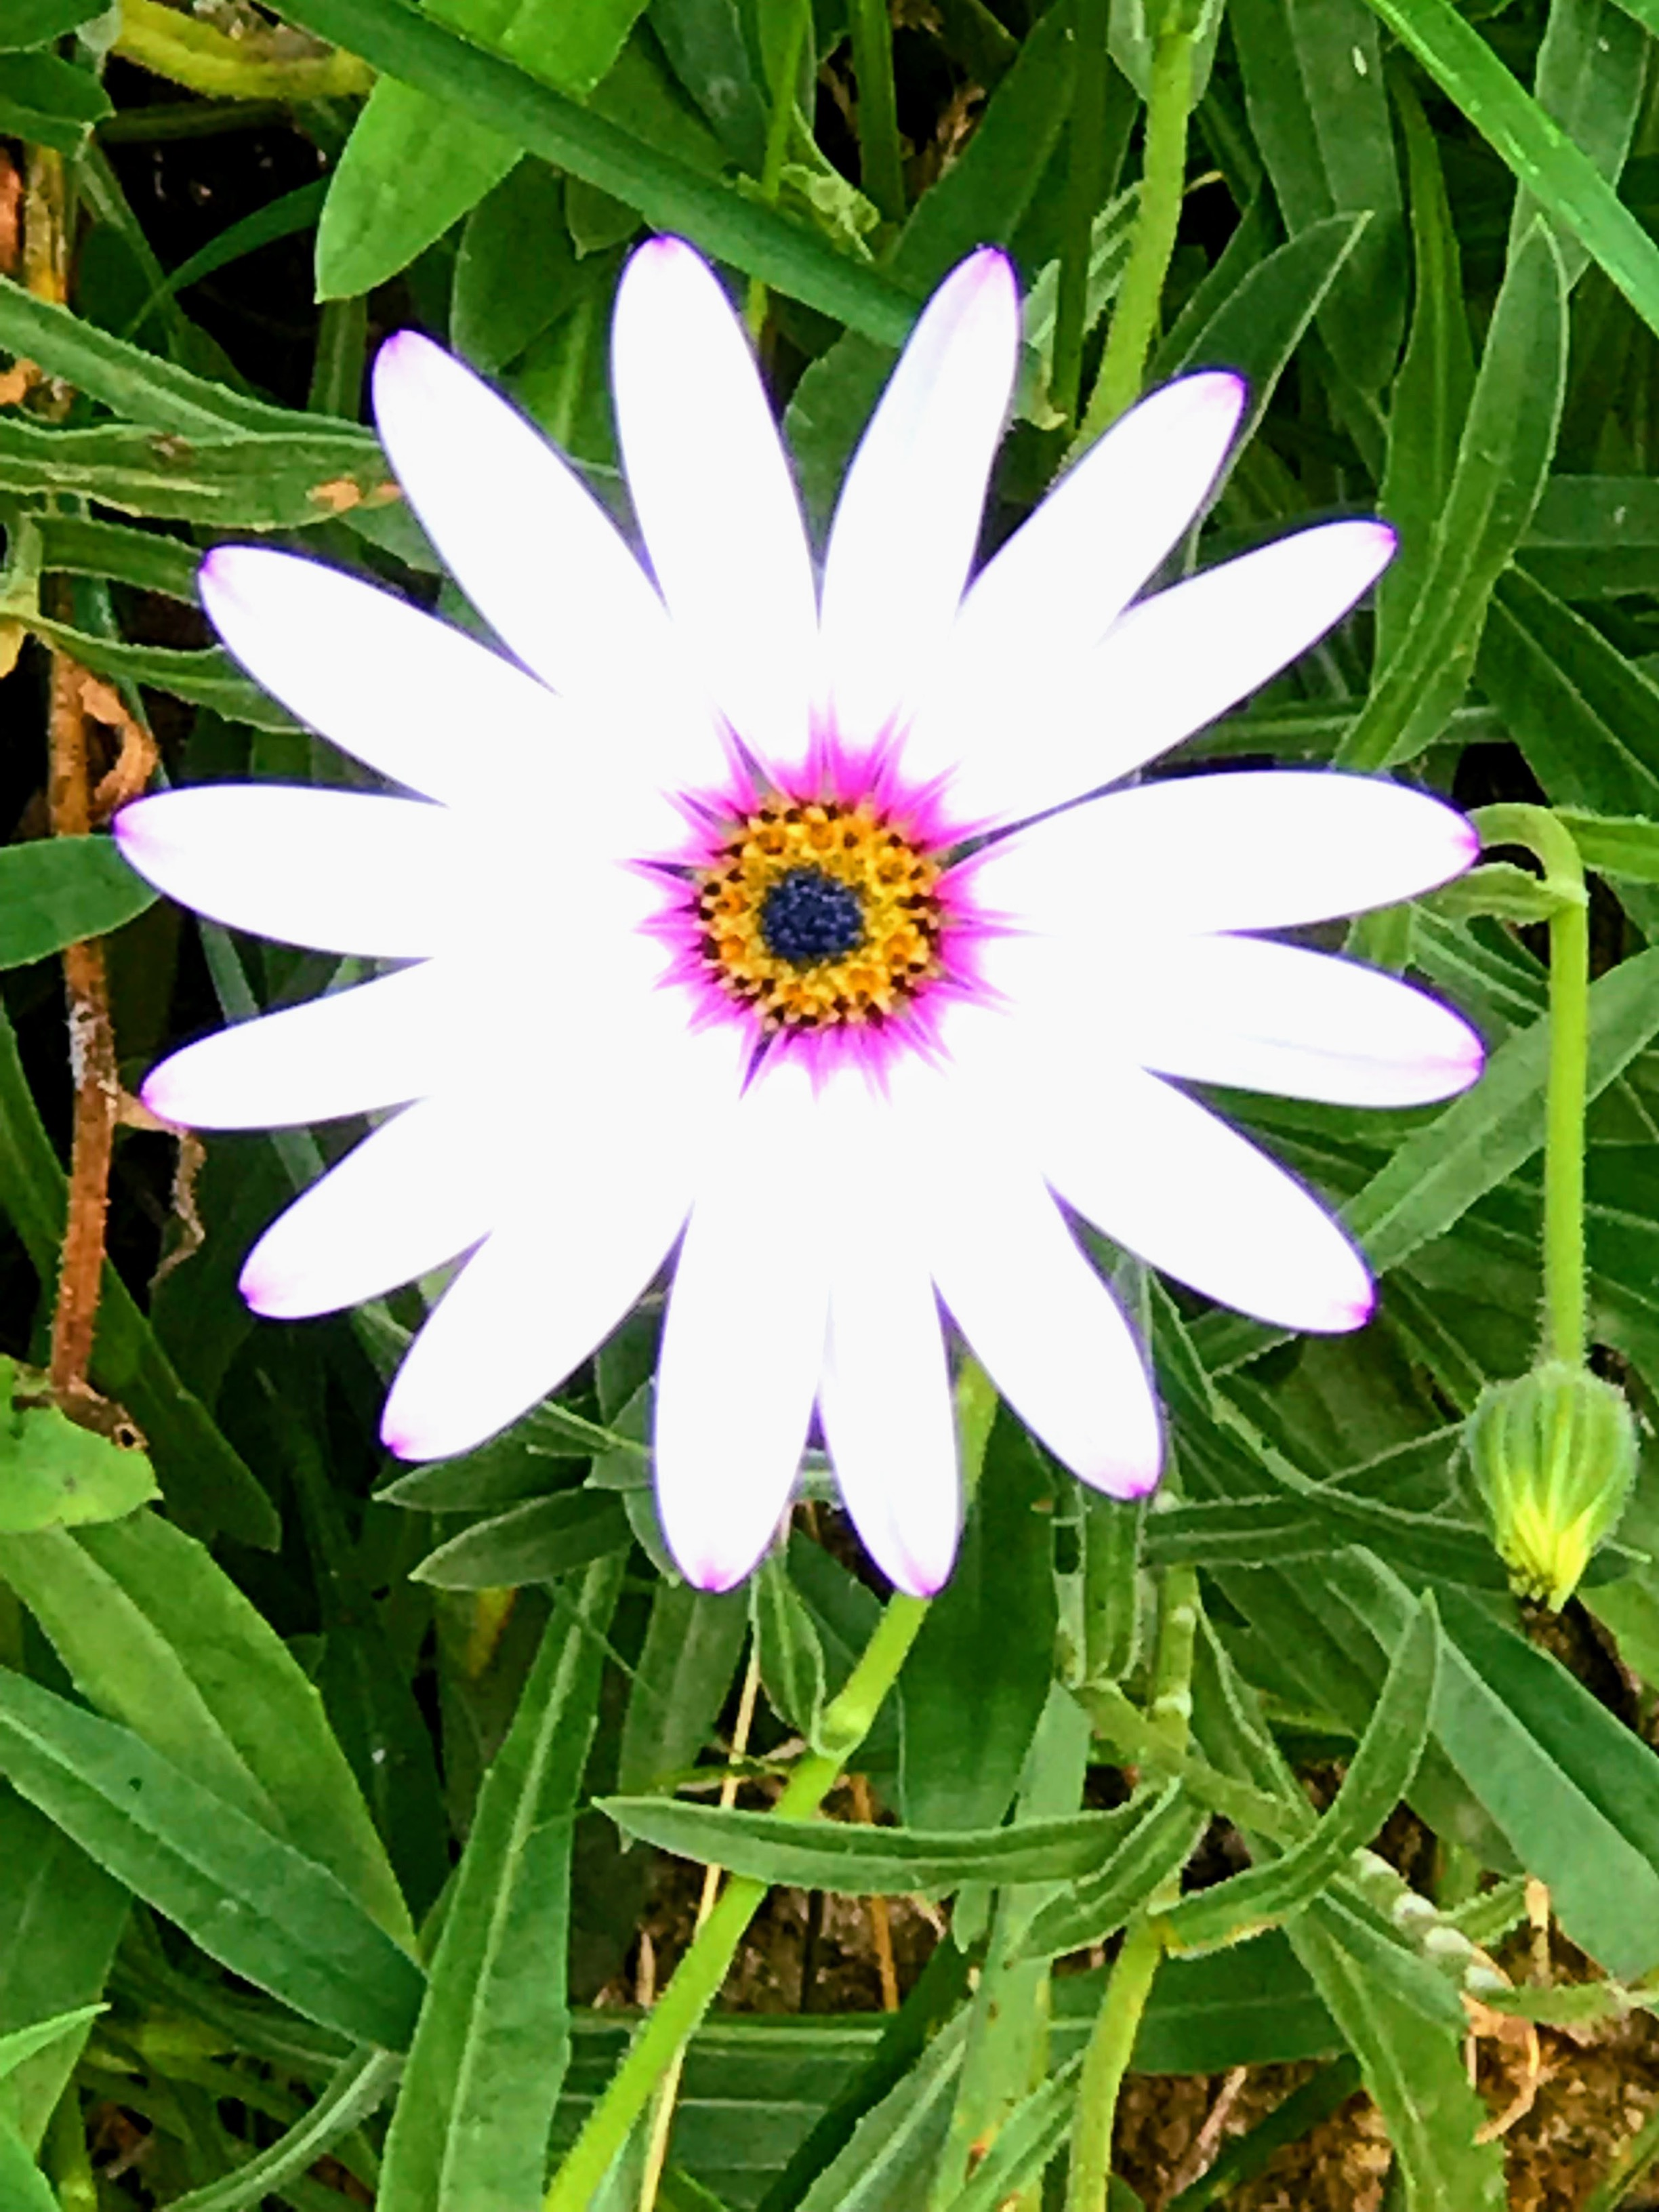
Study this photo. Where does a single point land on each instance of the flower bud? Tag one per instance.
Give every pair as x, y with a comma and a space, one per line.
1554, 1453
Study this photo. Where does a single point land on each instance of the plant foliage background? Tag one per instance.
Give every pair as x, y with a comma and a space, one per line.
332, 1791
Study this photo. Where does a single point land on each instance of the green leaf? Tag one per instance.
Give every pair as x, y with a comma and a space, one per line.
1007, 2037
360, 2086
967, 1680
515, 271
260, 1907
1251, 2006
529, 1543
54, 1474
74, 545
787, 1642
282, 217
1315, 92
40, 23
682, 1679
134, 384
1503, 457
1033, 2131
1595, 537
1575, 1795
205, 678
23, 2187
207, 1486
1256, 326
413, 166
1590, 75
1564, 179
58, 890
706, 51
1615, 847
1429, 401
156, 1636
1586, 718
1378, 1776
1441, 1170
23, 2043
494, 2036
669, 194
1414, 2071
52, 101
854, 1861
1096, 1906
889, 2163
267, 480
61, 1918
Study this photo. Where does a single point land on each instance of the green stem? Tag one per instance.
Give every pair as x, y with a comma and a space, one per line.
1129, 1984
846, 1721
1085, 184
1549, 839
881, 167
1104, 2064
1163, 179
777, 143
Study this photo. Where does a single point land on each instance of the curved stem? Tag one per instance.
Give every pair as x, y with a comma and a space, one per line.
1545, 836
846, 1722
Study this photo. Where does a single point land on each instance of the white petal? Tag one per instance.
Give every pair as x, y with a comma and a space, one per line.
538, 557
415, 700
345, 872
1067, 574
1160, 1175
1260, 849
602, 1187
1266, 1017
353, 1052
1170, 666
412, 1195
743, 1339
713, 495
1038, 1317
884, 1394
908, 518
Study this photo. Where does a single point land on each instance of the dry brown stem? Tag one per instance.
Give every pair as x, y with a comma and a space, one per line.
91, 1059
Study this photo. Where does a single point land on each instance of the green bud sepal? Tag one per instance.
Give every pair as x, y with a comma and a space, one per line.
1554, 1453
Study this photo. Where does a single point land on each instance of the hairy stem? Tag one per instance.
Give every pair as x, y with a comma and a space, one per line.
1163, 179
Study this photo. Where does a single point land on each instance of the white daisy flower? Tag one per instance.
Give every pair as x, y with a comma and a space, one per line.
726, 933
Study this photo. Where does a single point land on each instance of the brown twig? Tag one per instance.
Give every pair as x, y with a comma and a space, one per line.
1201, 2152
92, 1060
137, 758
69, 793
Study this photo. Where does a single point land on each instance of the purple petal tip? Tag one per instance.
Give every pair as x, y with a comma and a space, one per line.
153, 1096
